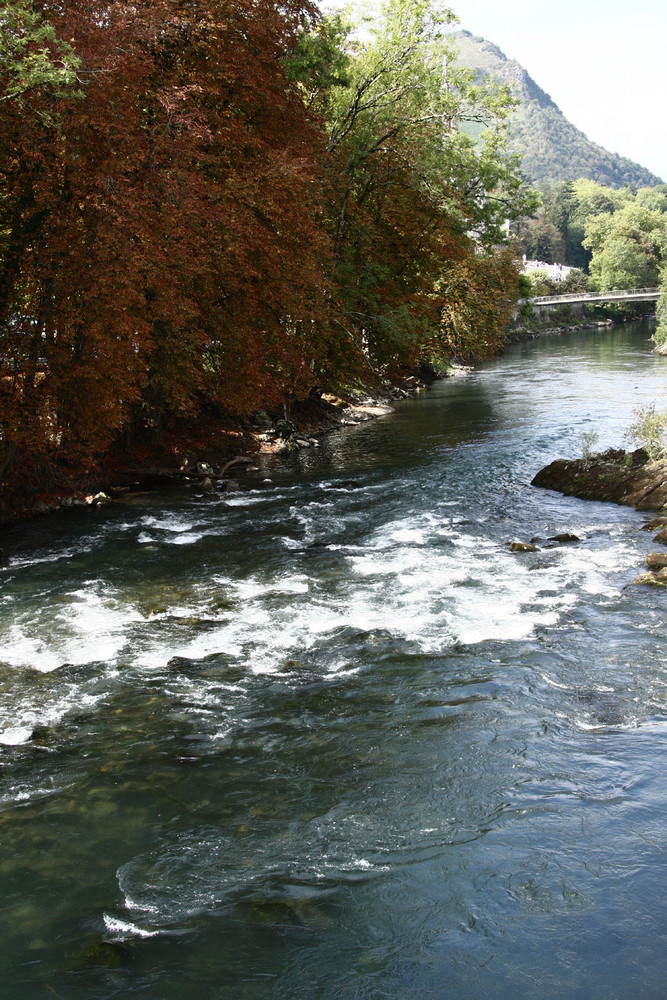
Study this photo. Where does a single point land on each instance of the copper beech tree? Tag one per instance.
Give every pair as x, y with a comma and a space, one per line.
161, 249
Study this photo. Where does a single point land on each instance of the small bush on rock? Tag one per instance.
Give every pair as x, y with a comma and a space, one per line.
648, 430
587, 441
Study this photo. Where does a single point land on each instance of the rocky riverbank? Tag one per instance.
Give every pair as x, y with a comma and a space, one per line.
521, 333
616, 476
263, 434
272, 434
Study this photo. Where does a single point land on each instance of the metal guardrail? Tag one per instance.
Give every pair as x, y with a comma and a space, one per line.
616, 293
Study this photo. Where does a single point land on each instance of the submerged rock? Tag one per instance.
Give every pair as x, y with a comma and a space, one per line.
564, 538
108, 954
523, 547
274, 911
616, 476
542, 564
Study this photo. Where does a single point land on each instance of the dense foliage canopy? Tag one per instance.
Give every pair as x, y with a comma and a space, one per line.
207, 208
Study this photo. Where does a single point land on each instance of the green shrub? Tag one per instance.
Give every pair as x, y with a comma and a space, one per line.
648, 430
587, 441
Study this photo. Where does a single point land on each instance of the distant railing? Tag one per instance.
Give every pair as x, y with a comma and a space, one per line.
624, 294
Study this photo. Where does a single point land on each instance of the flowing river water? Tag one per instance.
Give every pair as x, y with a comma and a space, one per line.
328, 737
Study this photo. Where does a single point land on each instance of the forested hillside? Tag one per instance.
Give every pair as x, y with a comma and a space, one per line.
550, 148
207, 208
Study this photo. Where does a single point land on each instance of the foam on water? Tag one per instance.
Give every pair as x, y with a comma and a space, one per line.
26, 792
83, 626
251, 499
400, 578
122, 930
26, 708
13, 736
174, 523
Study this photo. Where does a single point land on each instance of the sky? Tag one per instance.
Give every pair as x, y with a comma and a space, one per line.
603, 62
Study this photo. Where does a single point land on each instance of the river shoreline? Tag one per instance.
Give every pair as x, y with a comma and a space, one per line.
265, 434
523, 333
630, 479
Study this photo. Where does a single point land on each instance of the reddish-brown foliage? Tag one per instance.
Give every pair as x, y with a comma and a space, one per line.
161, 228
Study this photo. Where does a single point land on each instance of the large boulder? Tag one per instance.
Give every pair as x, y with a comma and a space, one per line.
617, 476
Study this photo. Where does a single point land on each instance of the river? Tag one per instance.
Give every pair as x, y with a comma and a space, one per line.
328, 737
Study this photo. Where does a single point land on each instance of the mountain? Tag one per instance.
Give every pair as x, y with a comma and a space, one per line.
550, 147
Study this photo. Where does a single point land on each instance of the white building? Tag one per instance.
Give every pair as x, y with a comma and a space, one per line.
557, 272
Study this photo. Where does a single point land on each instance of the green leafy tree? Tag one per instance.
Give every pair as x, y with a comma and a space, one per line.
592, 198
541, 284
654, 198
622, 263
660, 335
409, 187
561, 208
32, 56
575, 281
627, 246
541, 240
